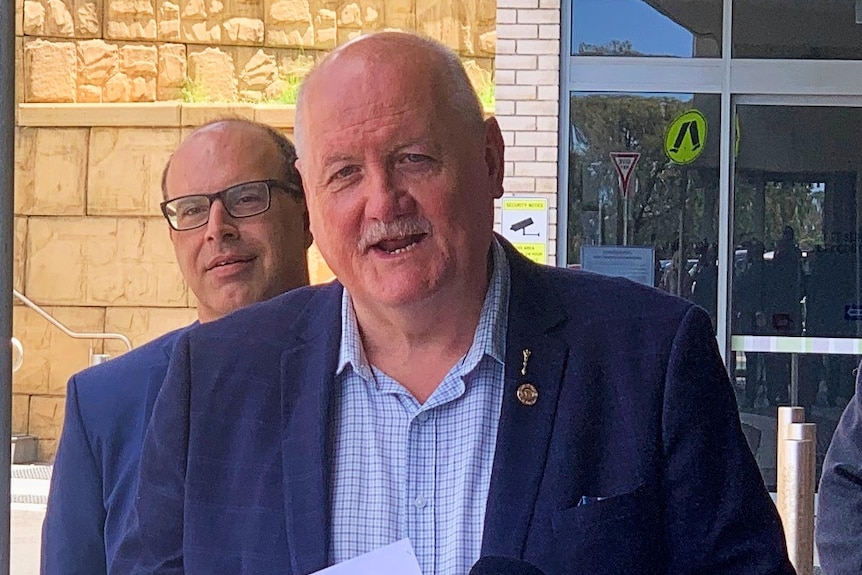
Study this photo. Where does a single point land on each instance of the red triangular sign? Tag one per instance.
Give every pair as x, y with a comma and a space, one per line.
624, 163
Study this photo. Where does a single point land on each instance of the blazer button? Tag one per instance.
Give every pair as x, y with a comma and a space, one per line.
528, 394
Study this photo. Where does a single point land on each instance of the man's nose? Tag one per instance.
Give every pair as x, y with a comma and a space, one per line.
221, 225
387, 197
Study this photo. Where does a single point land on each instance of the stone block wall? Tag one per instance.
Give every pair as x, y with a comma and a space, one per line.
218, 50
90, 245
98, 83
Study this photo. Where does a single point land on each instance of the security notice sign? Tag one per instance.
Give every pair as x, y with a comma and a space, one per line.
524, 222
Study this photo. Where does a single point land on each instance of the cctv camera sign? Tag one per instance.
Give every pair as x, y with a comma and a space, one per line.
524, 222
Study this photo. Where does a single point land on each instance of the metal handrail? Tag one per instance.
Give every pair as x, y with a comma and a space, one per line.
74, 334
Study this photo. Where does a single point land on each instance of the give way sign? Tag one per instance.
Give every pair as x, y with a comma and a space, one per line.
624, 164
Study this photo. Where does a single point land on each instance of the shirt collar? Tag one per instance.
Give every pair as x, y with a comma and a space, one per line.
489, 338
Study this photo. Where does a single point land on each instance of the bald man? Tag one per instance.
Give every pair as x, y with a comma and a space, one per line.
445, 389
238, 222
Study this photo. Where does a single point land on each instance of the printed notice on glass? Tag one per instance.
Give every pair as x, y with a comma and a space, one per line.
636, 263
398, 557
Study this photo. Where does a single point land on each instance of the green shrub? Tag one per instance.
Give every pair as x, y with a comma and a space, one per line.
192, 92
486, 96
291, 90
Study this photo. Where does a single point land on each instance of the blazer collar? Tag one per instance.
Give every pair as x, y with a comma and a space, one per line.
159, 368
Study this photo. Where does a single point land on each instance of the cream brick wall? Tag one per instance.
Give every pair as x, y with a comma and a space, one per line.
527, 94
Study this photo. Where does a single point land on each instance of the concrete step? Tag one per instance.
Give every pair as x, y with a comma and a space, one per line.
24, 449
31, 483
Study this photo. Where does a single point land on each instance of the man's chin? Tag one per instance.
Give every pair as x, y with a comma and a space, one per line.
400, 294
234, 301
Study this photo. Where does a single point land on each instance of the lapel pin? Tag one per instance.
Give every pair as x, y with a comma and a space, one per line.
526, 353
528, 394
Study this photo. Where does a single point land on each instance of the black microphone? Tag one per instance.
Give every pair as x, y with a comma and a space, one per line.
504, 566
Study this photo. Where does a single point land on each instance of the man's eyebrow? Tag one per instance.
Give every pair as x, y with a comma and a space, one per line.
337, 158
429, 143
432, 145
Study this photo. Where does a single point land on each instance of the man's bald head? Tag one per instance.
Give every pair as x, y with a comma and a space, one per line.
402, 54
282, 146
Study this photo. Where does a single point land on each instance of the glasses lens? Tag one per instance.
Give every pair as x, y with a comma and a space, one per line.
247, 199
188, 212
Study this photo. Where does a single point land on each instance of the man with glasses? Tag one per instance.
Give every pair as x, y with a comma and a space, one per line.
239, 225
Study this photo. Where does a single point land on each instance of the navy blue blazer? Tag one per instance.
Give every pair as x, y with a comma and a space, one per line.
839, 519
95, 472
632, 461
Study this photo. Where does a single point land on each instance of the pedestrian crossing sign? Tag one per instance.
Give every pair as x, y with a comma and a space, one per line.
686, 137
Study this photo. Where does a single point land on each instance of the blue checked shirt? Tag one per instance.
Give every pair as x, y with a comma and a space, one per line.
405, 469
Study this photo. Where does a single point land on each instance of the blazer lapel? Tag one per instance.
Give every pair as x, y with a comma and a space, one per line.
158, 371
307, 369
524, 431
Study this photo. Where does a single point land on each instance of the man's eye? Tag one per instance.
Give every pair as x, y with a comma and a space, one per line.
415, 162
192, 210
250, 198
415, 158
345, 172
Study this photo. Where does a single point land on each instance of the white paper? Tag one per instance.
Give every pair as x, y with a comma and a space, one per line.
395, 559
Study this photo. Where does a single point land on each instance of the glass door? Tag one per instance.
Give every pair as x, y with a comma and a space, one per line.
796, 310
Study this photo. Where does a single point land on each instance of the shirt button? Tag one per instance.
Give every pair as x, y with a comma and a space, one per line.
420, 502
423, 417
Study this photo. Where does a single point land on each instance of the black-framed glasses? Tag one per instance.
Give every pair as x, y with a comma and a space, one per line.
240, 201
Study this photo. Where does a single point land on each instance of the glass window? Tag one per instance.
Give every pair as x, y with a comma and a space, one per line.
676, 28
799, 30
796, 275
670, 207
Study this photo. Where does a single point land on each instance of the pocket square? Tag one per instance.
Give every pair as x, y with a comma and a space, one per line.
586, 500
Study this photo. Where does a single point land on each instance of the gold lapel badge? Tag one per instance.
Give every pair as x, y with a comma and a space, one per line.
528, 394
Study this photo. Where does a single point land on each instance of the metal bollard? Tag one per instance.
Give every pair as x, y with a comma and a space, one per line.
97, 358
795, 502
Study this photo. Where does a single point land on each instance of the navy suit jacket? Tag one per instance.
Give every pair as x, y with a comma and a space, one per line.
95, 472
839, 517
632, 461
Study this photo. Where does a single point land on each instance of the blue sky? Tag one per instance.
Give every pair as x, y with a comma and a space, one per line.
600, 21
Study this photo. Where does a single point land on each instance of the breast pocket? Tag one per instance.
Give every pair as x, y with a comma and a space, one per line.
620, 534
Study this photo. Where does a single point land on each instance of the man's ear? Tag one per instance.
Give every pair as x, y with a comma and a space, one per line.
309, 238
494, 154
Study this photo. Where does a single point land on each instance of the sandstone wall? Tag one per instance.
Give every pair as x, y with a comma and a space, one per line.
107, 89
90, 246
218, 50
